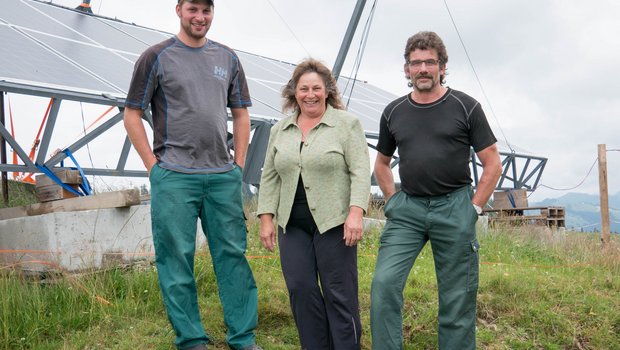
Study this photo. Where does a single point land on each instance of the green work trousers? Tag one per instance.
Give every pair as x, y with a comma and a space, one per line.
177, 201
448, 221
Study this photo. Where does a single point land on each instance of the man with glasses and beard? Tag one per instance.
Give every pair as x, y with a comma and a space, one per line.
433, 128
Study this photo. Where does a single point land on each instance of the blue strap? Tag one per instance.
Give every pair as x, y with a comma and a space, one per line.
53, 176
84, 186
511, 198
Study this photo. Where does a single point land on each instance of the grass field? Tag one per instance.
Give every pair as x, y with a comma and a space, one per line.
19, 193
538, 290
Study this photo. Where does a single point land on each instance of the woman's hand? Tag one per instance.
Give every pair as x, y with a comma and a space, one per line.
267, 232
354, 226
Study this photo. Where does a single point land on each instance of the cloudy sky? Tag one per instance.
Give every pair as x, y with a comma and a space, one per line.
544, 71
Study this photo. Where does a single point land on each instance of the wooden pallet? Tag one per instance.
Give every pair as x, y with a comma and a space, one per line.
48, 190
540, 216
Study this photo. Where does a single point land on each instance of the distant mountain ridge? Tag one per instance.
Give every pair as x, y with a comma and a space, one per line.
583, 211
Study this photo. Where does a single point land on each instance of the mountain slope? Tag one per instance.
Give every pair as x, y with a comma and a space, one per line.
583, 211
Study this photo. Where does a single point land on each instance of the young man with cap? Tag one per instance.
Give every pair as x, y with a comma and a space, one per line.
189, 81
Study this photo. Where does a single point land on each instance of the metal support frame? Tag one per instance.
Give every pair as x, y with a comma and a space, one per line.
83, 141
252, 171
256, 152
348, 38
519, 170
3, 175
49, 129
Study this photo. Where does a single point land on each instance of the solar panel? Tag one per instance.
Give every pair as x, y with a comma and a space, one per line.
53, 46
54, 51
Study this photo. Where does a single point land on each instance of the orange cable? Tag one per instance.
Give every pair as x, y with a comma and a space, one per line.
261, 256
27, 251
92, 123
37, 140
98, 118
9, 251
490, 263
13, 251
101, 116
537, 266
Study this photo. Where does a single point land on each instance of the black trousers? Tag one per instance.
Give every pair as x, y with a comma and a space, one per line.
327, 314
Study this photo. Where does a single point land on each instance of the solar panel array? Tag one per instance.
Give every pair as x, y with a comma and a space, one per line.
50, 50
61, 48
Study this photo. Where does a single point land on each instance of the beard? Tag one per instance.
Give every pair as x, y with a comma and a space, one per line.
426, 85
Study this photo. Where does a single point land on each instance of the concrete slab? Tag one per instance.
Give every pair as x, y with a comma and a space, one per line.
79, 240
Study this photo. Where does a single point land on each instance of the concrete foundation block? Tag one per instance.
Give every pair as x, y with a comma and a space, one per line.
79, 240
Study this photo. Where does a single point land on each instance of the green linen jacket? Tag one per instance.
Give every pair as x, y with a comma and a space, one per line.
333, 163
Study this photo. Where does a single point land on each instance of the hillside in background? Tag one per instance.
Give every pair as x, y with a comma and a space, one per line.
583, 211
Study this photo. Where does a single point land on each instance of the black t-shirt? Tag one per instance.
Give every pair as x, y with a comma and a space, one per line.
434, 141
300, 192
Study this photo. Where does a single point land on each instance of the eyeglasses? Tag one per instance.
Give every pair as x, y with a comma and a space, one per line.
418, 63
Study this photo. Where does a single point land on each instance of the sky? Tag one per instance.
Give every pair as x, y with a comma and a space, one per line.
543, 70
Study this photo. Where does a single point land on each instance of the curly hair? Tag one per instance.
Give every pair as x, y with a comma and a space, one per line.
311, 65
208, 2
427, 40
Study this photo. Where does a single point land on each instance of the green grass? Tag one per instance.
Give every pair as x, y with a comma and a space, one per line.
19, 194
538, 290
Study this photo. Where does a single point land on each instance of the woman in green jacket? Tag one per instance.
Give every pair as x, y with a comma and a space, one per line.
316, 184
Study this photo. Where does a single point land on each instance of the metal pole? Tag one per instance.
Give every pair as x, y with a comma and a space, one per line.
348, 37
5, 180
603, 194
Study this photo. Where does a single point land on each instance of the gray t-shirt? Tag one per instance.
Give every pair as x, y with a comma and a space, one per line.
188, 90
